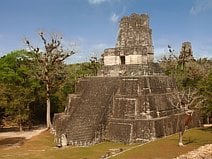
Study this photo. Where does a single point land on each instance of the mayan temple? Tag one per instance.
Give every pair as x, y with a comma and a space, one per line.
128, 101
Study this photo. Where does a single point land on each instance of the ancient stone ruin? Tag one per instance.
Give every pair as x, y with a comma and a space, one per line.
133, 54
186, 53
129, 100
134, 43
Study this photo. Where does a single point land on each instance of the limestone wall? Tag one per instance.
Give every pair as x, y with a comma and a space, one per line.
112, 60
130, 70
129, 59
141, 110
142, 130
134, 30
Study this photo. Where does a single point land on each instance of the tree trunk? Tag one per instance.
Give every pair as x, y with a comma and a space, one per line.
181, 130
20, 127
208, 119
183, 126
48, 107
181, 138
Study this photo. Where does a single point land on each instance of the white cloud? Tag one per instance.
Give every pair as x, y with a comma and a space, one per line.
96, 1
201, 6
114, 18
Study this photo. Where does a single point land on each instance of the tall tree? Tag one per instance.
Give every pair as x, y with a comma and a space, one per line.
49, 65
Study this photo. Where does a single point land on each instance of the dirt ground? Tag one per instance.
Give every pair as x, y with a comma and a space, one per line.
16, 138
24, 134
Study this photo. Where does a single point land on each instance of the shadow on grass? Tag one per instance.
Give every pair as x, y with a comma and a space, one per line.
25, 128
12, 141
190, 141
186, 141
9, 129
207, 129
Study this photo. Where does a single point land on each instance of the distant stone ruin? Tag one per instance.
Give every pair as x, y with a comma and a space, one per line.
129, 100
186, 53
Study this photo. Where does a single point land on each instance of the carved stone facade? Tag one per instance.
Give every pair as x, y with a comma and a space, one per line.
134, 42
129, 100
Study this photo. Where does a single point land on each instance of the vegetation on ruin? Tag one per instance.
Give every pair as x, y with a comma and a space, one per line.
18, 88
42, 146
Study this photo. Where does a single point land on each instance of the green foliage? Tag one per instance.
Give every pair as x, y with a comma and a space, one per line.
22, 94
17, 86
205, 88
193, 74
76, 71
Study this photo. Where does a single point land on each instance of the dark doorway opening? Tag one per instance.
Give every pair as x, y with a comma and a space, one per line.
122, 58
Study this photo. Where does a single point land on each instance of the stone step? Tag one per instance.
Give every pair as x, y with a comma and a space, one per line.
87, 114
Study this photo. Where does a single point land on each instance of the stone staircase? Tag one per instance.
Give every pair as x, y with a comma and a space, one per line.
87, 119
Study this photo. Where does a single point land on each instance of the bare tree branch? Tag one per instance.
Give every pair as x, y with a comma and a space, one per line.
49, 64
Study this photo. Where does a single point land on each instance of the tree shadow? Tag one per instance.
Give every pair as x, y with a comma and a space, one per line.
207, 129
10, 129
12, 141
25, 128
189, 141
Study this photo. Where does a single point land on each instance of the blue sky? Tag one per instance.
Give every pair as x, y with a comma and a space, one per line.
90, 26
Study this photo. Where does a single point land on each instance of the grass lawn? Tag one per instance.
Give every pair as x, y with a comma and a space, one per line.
42, 147
166, 148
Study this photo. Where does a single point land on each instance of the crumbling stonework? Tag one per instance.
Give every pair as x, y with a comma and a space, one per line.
200, 153
134, 43
129, 100
186, 53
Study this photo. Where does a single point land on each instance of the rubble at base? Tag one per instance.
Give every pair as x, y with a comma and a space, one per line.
203, 152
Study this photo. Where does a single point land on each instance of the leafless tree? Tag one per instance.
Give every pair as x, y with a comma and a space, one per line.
186, 101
